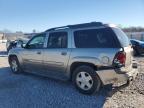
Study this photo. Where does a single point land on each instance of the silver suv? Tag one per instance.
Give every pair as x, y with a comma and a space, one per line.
89, 54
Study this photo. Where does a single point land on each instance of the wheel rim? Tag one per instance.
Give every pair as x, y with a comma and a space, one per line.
14, 65
84, 80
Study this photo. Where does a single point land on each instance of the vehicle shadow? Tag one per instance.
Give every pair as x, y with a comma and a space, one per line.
64, 93
31, 90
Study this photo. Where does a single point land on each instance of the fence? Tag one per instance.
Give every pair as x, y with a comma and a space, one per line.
136, 35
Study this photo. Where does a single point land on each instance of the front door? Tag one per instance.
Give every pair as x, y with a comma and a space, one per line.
33, 54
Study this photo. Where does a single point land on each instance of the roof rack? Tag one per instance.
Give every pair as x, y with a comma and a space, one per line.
84, 25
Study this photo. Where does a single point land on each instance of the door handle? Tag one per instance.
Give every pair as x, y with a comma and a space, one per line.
38, 52
64, 53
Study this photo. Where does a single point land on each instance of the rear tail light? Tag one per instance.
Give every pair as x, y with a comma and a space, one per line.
120, 59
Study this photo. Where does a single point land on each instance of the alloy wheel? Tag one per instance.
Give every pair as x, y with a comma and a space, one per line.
14, 65
84, 80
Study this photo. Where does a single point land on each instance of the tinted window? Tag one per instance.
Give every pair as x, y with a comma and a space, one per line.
123, 38
57, 40
37, 42
95, 38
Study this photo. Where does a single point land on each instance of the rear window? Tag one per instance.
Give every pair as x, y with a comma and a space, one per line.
95, 38
122, 37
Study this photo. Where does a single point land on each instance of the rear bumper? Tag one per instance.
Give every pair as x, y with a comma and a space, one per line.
112, 76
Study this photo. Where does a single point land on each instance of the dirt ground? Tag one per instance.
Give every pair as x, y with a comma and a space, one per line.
21, 91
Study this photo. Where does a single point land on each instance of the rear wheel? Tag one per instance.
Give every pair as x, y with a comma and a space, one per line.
86, 80
14, 65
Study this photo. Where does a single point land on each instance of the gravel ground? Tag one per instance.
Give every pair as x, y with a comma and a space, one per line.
31, 91
131, 96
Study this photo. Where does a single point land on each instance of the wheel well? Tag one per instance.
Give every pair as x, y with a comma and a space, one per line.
77, 64
11, 57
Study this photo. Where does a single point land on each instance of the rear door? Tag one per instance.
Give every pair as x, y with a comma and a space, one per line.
56, 55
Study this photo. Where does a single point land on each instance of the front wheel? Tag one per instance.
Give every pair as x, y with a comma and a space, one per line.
86, 80
14, 65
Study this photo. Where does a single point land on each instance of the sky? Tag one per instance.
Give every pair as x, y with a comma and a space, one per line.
26, 15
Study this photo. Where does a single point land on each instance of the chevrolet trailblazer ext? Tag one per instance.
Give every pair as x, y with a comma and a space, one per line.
89, 54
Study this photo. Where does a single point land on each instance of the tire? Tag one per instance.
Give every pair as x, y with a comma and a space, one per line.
14, 65
86, 80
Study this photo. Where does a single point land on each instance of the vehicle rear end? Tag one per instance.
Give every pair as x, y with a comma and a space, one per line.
124, 67
129, 64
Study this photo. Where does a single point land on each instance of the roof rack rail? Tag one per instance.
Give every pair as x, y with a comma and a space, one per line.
57, 28
84, 25
92, 24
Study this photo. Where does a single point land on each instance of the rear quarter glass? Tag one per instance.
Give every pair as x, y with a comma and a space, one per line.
122, 37
96, 38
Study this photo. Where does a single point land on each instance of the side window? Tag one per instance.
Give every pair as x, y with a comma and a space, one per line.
95, 38
57, 40
37, 42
